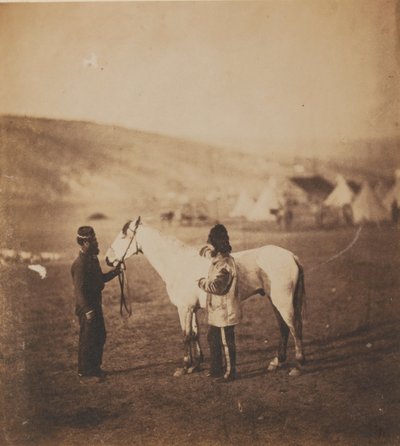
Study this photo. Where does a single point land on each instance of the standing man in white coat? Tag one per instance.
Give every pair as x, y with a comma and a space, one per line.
223, 304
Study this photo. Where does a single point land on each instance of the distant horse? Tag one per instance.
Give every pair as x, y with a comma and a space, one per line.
186, 219
167, 216
268, 270
202, 218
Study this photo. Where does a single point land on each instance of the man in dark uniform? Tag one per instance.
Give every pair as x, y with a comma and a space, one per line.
223, 304
88, 280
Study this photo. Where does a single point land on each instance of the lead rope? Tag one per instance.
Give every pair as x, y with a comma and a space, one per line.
122, 279
340, 253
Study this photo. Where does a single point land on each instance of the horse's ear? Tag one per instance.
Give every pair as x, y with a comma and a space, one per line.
126, 227
137, 222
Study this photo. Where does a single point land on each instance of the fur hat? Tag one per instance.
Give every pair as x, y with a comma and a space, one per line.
219, 239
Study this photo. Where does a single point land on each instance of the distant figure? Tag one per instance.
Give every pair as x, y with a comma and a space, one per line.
278, 216
395, 212
223, 305
88, 280
284, 217
323, 216
288, 218
348, 214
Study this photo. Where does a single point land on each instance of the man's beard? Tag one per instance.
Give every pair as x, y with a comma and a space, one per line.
94, 250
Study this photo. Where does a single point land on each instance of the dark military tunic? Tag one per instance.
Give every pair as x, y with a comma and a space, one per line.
88, 280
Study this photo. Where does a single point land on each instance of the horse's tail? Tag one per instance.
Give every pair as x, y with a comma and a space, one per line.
299, 299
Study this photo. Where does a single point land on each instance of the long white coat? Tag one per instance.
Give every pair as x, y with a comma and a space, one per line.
223, 303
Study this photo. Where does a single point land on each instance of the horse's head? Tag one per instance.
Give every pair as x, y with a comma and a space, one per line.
125, 244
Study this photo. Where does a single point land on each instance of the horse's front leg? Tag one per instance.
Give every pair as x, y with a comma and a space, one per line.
196, 353
186, 316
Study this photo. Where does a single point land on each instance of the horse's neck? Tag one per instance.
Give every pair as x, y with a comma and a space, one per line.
169, 257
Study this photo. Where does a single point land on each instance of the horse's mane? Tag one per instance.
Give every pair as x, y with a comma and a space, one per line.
166, 252
174, 243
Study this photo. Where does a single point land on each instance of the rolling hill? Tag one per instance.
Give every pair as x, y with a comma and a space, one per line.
46, 161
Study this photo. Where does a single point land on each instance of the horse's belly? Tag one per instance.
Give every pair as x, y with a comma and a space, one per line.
184, 293
259, 267
252, 281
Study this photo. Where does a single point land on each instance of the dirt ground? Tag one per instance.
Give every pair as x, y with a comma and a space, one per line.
348, 393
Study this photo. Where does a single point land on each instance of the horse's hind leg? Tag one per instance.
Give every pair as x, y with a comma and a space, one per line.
295, 327
298, 345
296, 331
284, 336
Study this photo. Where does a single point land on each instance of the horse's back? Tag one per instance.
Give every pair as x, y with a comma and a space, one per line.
270, 268
268, 257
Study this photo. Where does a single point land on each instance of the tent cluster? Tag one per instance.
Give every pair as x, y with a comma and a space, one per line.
365, 206
354, 206
276, 195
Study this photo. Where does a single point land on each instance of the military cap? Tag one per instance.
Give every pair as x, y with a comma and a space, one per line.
85, 233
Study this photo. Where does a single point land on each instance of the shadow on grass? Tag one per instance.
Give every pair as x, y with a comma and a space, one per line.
364, 344
144, 367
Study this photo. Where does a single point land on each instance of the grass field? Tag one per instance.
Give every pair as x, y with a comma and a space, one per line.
348, 393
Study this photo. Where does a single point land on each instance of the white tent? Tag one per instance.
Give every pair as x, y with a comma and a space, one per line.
367, 206
243, 206
341, 195
394, 192
267, 201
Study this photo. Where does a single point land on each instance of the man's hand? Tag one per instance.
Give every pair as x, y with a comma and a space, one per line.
119, 269
200, 282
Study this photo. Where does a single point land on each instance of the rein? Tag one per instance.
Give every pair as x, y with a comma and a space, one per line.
122, 278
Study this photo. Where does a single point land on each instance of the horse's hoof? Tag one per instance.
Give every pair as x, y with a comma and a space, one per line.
295, 372
274, 365
180, 372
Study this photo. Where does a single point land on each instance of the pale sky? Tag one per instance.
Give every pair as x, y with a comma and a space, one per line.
238, 74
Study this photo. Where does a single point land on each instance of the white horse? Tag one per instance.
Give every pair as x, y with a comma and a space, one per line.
268, 270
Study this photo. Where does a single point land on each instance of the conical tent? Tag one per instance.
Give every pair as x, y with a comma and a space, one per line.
367, 207
243, 206
267, 201
394, 192
341, 195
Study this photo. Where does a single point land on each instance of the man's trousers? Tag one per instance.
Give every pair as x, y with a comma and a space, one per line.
221, 341
92, 337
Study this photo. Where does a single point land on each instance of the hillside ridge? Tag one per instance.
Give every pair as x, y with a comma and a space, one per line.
46, 160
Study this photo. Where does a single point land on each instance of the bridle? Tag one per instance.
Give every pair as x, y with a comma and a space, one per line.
125, 229
122, 278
